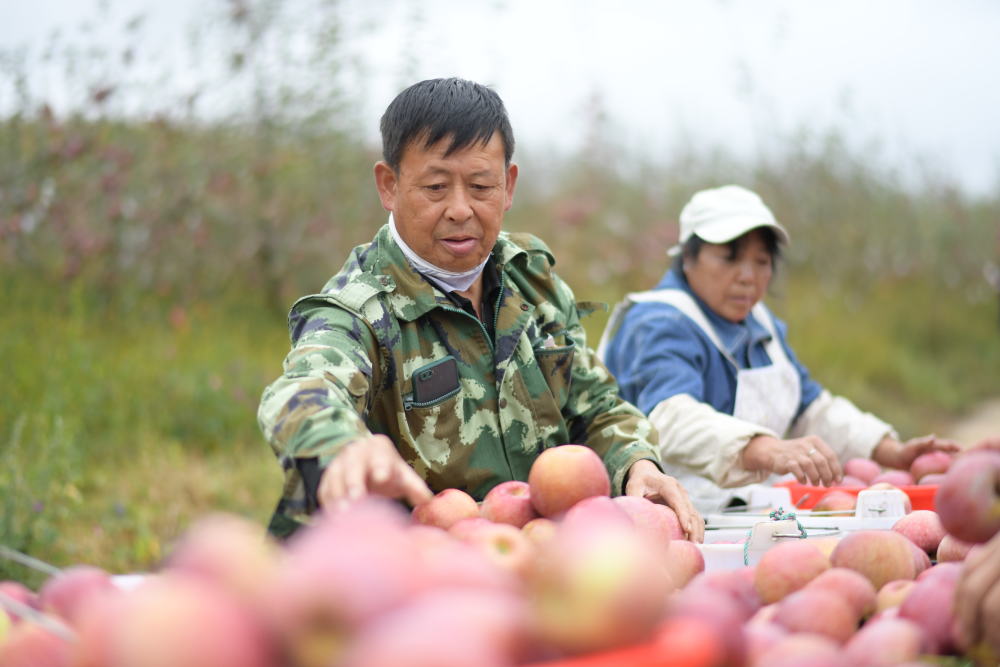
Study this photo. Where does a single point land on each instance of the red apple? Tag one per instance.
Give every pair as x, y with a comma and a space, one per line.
968, 500
66, 593
950, 571
688, 641
931, 479
921, 560
562, 476
446, 508
509, 502
895, 477
173, 619
787, 567
931, 462
337, 575
438, 560
505, 545
597, 586
19, 593
465, 527
724, 615
930, 604
817, 611
764, 615
802, 650
892, 594
540, 530
684, 562
853, 482
760, 637
853, 586
230, 551
952, 549
30, 645
597, 510
445, 628
864, 469
880, 555
738, 585
884, 643
923, 528
659, 522
836, 501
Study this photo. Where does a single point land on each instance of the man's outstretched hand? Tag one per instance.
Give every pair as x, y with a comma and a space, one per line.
370, 465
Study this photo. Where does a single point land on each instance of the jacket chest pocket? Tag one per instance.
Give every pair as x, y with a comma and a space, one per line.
432, 384
431, 408
556, 367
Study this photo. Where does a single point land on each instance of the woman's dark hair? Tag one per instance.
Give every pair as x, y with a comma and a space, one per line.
692, 248
436, 109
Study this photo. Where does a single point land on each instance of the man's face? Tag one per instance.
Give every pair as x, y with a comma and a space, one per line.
449, 209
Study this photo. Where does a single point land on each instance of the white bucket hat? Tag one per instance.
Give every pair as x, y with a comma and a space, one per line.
722, 214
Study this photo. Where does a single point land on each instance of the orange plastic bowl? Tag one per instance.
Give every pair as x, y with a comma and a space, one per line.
921, 495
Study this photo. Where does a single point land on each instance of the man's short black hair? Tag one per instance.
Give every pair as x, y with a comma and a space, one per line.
432, 110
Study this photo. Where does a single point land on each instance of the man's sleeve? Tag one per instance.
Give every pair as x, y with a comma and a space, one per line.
611, 426
315, 407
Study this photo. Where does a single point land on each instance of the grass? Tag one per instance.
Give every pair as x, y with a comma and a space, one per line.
121, 425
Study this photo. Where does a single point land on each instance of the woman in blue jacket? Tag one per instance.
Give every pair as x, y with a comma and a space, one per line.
707, 361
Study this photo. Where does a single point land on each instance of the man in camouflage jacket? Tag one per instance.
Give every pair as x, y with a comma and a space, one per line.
446, 353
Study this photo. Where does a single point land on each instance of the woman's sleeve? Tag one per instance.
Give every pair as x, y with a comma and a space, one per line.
709, 443
662, 356
669, 367
850, 432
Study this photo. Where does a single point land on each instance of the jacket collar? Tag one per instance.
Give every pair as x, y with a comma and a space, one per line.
411, 295
736, 336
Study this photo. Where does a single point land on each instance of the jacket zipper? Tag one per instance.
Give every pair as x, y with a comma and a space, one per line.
409, 403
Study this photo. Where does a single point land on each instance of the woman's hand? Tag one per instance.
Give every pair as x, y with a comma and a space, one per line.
891, 453
646, 481
370, 466
810, 459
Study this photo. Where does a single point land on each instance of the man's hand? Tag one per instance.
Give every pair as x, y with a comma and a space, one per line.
370, 466
977, 599
810, 459
891, 453
645, 480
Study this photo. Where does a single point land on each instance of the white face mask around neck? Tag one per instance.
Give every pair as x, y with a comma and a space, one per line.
451, 281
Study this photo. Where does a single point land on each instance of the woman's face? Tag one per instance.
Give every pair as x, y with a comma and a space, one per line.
731, 286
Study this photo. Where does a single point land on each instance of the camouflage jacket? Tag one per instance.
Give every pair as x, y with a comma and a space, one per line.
381, 350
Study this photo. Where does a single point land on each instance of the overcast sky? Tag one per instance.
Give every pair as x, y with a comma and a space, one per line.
920, 77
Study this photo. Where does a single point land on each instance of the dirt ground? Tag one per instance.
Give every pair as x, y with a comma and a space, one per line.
981, 422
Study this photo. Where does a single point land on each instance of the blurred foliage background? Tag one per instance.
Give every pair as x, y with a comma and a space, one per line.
148, 258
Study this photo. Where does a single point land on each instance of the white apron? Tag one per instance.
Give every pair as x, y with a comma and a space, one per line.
768, 396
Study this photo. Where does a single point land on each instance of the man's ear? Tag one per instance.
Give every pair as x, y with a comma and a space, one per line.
386, 182
510, 185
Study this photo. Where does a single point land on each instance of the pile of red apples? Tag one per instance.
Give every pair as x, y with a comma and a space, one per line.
552, 570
